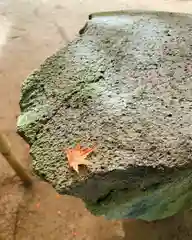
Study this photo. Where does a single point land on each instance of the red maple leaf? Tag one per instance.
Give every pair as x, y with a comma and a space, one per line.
76, 156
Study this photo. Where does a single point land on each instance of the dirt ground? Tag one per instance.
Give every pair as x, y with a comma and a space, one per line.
31, 30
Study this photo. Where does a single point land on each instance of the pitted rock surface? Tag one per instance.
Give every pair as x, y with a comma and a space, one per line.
125, 84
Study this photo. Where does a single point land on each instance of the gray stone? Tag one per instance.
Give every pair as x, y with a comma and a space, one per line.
125, 83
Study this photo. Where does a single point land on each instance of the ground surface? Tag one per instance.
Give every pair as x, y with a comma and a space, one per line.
29, 32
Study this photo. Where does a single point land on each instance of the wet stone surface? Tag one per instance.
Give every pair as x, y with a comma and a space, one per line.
125, 84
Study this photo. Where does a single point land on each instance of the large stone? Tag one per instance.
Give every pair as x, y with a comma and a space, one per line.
125, 83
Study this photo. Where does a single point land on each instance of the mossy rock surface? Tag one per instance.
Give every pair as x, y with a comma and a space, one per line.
125, 83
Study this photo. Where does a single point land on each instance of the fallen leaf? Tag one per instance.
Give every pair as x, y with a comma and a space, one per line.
76, 156
74, 233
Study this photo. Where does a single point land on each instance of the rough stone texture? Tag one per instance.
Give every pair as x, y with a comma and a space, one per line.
125, 84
